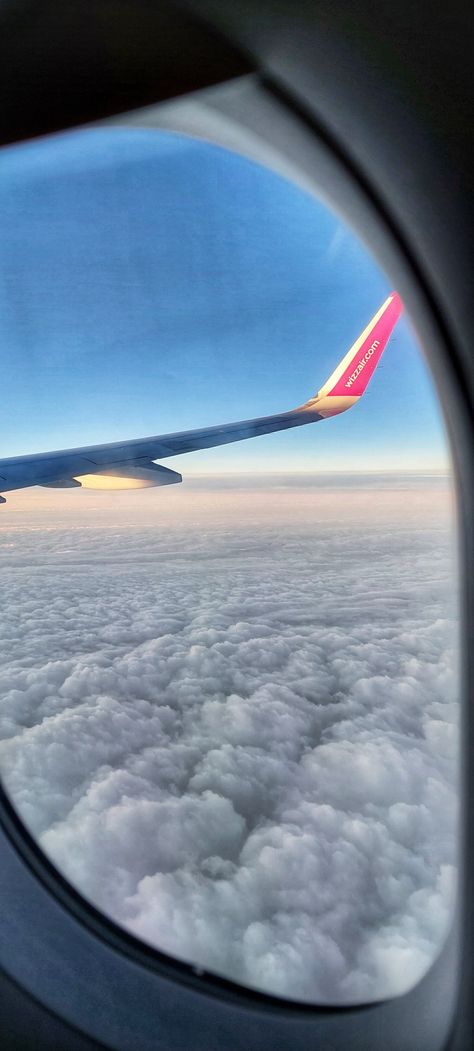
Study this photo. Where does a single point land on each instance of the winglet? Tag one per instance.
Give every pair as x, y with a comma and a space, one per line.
348, 381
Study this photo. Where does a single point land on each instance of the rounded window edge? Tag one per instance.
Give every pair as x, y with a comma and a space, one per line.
417, 303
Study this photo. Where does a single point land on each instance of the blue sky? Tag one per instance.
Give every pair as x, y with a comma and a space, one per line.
152, 283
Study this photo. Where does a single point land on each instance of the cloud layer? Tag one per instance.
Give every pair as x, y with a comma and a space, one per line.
241, 742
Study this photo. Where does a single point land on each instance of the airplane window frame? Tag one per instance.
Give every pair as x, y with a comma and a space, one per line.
134, 995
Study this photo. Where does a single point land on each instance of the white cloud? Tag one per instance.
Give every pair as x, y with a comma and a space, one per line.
241, 743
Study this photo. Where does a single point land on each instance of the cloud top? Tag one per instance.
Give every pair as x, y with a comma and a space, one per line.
241, 743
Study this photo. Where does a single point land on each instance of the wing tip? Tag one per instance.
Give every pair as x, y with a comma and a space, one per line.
347, 383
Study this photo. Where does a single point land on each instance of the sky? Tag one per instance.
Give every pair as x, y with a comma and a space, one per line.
152, 283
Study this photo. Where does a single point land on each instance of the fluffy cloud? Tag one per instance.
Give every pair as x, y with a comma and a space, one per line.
241, 742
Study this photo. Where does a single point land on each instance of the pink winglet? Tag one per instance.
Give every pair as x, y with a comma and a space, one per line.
356, 376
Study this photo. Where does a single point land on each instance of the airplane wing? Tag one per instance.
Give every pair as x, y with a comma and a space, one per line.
129, 464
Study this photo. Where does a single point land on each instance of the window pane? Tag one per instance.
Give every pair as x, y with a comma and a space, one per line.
228, 707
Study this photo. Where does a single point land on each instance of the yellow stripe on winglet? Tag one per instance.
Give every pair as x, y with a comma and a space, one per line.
335, 376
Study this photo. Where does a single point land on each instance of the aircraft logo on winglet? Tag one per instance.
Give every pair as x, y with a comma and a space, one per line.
363, 362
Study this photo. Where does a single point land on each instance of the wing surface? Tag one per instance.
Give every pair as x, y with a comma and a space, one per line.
129, 464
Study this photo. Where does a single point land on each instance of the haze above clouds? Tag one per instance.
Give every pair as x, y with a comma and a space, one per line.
231, 721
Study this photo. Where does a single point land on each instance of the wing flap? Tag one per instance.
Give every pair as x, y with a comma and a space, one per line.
130, 477
124, 477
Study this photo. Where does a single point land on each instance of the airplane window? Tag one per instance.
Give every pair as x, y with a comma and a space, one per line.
228, 704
